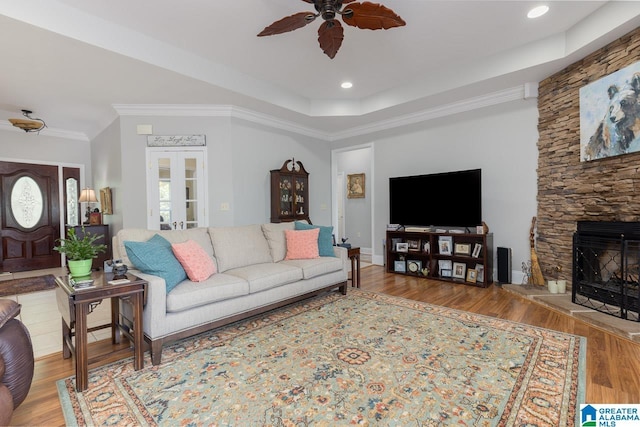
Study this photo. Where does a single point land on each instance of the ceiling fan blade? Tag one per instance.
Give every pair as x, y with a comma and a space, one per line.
330, 35
288, 23
371, 16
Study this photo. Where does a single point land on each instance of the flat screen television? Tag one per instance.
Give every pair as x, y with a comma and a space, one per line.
449, 199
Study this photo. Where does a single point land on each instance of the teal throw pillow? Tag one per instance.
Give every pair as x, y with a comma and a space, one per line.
156, 257
325, 237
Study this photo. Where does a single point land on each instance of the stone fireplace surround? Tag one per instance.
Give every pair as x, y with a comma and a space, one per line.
569, 190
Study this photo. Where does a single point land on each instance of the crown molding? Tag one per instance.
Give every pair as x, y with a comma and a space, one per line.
195, 110
57, 133
495, 98
230, 111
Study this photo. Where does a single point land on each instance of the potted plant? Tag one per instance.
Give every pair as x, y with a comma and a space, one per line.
80, 251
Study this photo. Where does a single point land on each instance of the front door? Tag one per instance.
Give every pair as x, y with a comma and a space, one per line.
29, 216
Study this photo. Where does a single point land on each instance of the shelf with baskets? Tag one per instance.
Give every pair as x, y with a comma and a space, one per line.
457, 257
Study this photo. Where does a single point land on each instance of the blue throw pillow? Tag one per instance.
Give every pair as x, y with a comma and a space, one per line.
325, 237
156, 257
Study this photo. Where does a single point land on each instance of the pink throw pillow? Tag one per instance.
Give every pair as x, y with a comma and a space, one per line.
195, 261
302, 244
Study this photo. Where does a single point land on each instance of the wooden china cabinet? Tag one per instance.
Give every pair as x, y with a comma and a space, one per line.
290, 192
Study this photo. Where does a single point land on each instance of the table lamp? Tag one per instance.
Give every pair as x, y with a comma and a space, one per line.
87, 196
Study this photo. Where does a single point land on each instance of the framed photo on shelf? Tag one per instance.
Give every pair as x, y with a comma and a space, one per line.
426, 247
400, 266
476, 250
459, 270
445, 273
472, 275
414, 266
444, 245
402, 247
395, 241
445, 264
479, 273
462, 248
414, 245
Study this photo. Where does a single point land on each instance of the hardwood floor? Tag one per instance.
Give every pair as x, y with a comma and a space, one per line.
613, 363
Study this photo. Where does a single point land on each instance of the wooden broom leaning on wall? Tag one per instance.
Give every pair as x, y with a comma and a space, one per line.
536, 272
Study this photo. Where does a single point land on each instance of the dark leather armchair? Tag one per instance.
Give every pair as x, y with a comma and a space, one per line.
16, 360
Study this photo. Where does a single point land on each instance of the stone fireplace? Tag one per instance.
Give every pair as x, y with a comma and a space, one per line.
570, 191
606, 267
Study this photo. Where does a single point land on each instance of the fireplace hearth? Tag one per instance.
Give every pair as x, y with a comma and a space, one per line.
606, 268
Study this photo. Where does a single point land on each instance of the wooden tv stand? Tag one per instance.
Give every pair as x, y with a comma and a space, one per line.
442, 256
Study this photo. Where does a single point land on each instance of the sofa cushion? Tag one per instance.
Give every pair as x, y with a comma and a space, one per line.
218, 287
239, 246
315, 267
325, 238
199, 235
302, 244
156, 257
195, 261
268, 275
275, 237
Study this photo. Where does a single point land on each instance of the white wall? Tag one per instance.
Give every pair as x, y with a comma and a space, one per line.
31, 147
501, 140
240, 156
106, 158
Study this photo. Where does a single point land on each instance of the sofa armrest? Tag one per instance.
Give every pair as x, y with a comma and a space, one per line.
155, 309
343, 254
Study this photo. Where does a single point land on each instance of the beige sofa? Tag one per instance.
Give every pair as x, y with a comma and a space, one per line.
252, 277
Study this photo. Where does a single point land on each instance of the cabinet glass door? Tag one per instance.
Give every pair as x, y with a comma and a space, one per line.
176, 182
286, 196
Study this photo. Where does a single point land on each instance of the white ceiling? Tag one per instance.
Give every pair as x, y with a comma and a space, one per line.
78, 63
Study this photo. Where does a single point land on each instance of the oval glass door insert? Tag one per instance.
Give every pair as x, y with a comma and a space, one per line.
26, 202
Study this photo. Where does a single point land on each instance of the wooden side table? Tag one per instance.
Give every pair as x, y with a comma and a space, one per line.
354, 255
76, 303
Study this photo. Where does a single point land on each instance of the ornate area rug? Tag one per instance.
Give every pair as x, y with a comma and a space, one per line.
363, 358
27, 285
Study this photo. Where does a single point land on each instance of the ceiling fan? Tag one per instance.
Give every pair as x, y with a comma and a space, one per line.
365, 15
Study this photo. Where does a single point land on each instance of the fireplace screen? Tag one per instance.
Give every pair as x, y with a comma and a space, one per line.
606, 274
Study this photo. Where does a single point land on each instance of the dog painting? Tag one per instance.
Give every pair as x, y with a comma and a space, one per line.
610, 115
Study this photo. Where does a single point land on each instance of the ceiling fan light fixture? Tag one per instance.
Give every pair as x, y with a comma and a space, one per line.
31, 124
364, 15
538, 11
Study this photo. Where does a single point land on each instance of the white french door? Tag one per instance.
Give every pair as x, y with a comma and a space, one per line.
176, 188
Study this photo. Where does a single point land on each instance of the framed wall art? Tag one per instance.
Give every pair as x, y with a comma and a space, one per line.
105, 201
355, 186
609, 117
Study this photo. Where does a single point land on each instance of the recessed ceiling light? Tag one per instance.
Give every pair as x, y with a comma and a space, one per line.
346, 85
538, 11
